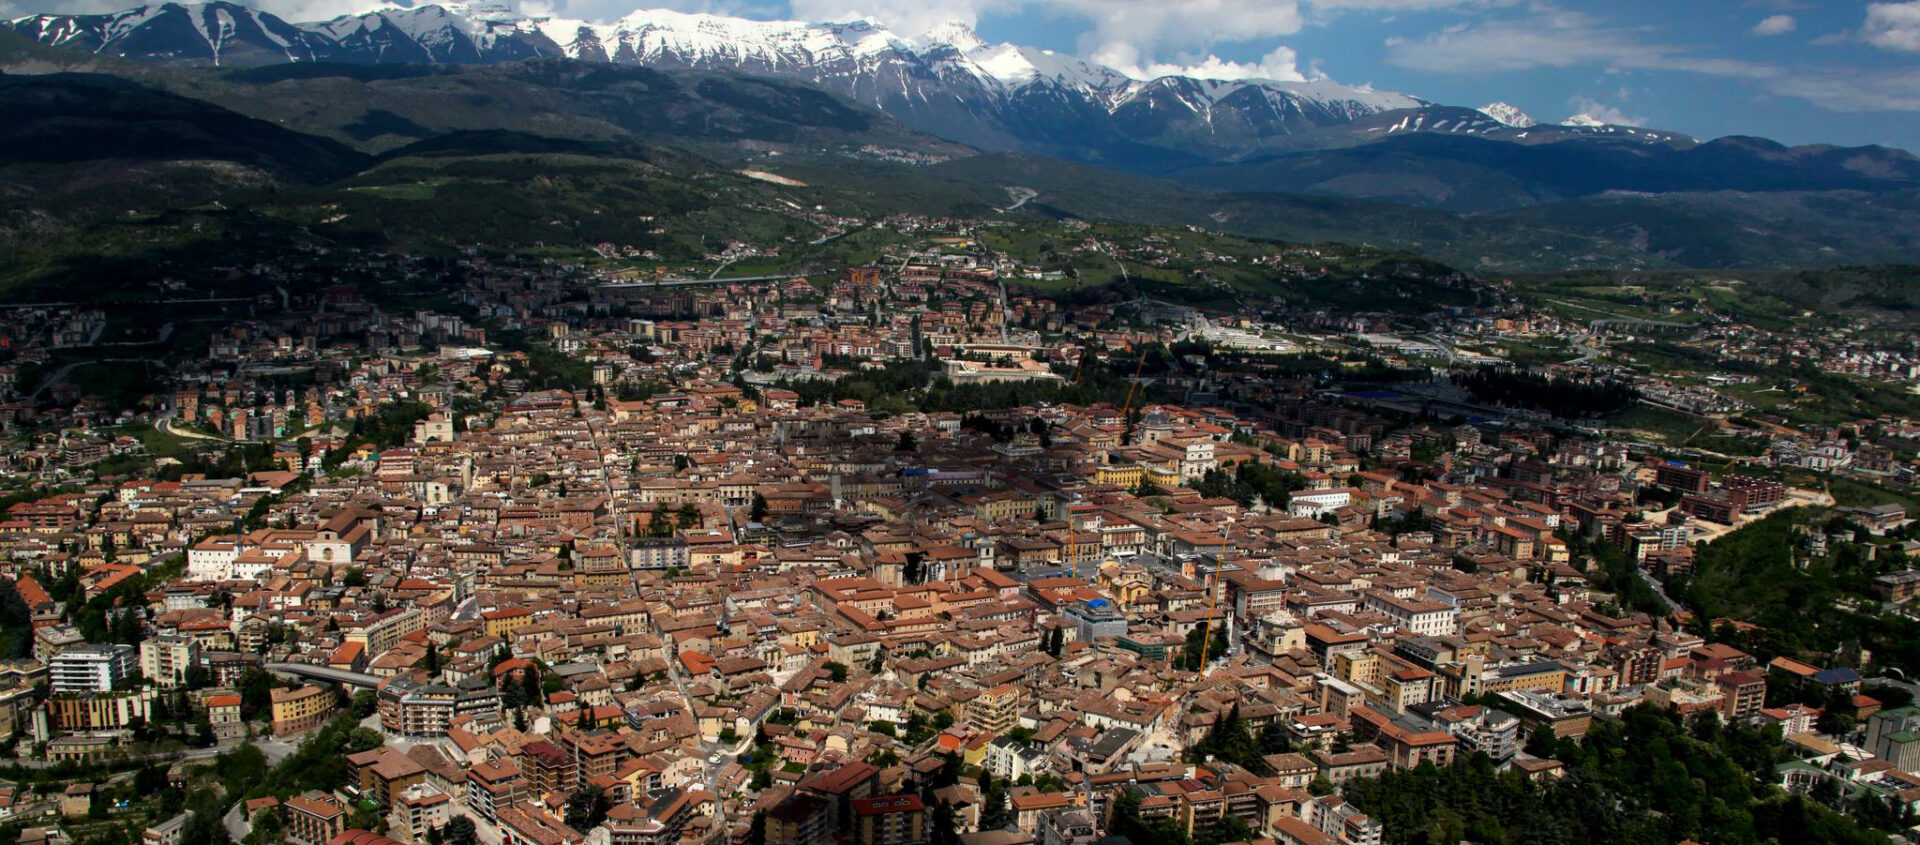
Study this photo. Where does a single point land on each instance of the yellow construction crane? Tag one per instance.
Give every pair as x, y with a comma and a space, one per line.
1213, 596
1138, 368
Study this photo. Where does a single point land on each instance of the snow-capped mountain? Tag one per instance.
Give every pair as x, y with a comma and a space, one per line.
210, 33
948, 81
451, 34
1509, 115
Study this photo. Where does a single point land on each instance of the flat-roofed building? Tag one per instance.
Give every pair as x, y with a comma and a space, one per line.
491, 786
95, 667
314, 818
890, 820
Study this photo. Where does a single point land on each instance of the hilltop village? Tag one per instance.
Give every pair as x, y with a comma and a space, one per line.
908, 554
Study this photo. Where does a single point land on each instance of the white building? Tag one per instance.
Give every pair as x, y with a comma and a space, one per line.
1313, 503
1422, 617
1333, 816
1008, 760
92, 667
212, 559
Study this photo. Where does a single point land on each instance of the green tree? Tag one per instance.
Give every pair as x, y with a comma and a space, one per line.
363, 818
204, 826
995, 812
758, 513
942, 826
587, 808
256, 693
1229, 740
1227, 829
16, 622
1273, 738
532, 688
266, 828
364, 739
1543, 742
1197, 640
1124, 820
660, 524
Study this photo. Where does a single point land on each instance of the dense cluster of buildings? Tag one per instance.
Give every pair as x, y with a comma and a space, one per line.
694, 586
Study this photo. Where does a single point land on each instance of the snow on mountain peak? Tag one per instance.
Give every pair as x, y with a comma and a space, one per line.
1509, 115
1014, 65
1585, 120
848, 55
1364, 97
955, 34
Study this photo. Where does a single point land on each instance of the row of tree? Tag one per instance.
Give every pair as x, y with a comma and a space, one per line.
1560, 396
1644, 779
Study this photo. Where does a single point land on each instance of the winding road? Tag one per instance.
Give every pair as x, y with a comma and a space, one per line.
164, 424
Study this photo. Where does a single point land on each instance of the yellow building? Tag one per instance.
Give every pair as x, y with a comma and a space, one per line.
1536, 677
1361, 667
502, 623
301, 710
1127, 475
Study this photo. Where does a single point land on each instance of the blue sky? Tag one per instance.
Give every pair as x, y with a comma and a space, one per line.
1800, 71
1828, 72
1832, 71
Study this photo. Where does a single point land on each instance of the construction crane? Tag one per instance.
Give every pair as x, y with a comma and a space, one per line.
1073, 558
1213, 595
1138, 368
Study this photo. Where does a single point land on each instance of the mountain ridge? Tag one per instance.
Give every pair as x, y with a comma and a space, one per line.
998, 97
1479, 186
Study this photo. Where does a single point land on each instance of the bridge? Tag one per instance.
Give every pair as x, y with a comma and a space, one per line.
681, 283
325, 673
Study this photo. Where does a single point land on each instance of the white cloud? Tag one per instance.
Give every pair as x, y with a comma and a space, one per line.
1854, 90
1605, 113
296, 10
1139, 37
607, 10
1139, 32
1557, 39
1552, 38
1281, 64
1893, 26
1775, 25
906, 17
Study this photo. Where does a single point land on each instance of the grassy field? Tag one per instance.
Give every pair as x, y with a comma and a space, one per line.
1671, 427
1851, 493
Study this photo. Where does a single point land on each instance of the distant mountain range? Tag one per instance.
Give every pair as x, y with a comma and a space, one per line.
1313, 137
997, 97
1488, 187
